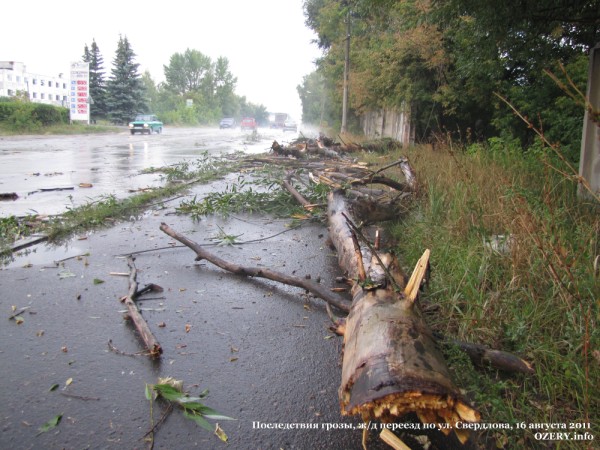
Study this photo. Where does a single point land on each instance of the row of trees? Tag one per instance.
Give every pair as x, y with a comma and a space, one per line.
190, 76
448, 58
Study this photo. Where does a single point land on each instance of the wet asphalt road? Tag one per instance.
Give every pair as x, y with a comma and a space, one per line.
46, 171
261, 348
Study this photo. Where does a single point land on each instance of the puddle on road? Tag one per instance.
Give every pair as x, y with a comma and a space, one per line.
44, 255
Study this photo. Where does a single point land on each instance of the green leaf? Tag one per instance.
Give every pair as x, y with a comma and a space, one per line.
50, 424
168, 392
148, 391
210, 413
98, 281
191, 403
198, 419
53, 387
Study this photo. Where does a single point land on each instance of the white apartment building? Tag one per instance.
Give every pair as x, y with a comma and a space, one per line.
40, 88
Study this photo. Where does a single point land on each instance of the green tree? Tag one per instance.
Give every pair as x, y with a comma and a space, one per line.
97, 83
249, 109
188, 72
211, 86
316, 104
224, 88
126, 96
446, 59
152, 91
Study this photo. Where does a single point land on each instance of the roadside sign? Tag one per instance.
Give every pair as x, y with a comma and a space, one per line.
79, 91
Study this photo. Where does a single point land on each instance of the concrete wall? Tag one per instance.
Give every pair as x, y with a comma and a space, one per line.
589, 164
388, 123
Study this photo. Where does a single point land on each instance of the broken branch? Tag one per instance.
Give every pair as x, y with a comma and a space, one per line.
314, 288
141, 325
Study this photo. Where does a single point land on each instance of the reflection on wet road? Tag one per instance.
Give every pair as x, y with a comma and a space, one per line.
53, 173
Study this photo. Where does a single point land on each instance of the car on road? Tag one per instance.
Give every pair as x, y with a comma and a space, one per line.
290, 125
248, 123
227, 122
145, 123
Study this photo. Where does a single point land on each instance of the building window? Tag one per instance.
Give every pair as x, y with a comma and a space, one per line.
9, 77
64, 85
49, 83
34, 81
11, 92
18, 79
42, 96
64, 98
57, 97
35, 95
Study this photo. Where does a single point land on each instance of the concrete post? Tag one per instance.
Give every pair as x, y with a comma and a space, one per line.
589, 163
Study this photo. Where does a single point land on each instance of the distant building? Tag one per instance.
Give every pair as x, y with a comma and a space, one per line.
39, 88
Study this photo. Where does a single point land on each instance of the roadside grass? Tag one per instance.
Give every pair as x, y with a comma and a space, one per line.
58, 129
108, 209
515, 258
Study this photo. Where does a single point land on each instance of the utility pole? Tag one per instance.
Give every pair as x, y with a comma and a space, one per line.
346, 76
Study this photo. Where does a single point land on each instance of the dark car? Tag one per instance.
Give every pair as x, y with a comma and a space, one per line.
290, 125
227, 122
248, 123
145, 123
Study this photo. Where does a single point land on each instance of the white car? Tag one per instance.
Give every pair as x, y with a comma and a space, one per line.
290, 125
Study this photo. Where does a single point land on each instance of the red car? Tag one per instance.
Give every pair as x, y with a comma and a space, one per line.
248, 123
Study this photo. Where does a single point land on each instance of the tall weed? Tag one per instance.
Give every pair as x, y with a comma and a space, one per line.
515, 267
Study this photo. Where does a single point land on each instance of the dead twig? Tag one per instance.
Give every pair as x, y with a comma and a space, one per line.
114, 349
19, 312
163, 417
314, 288
251, 241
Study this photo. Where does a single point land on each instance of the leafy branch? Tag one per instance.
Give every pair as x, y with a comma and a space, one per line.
171, 390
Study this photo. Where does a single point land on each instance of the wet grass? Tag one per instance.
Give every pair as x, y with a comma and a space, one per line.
59, 129
535, 294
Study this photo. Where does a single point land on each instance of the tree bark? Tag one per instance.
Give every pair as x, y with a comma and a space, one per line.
141, 325
391, 365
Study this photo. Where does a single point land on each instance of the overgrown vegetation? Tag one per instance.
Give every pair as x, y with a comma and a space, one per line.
442, 61
536, 294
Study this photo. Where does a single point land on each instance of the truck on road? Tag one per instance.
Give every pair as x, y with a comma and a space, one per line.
277, 120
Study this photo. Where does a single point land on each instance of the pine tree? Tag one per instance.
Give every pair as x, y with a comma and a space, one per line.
86, 54
124, 88
97, 83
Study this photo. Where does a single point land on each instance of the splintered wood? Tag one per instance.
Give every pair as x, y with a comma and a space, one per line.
391, 366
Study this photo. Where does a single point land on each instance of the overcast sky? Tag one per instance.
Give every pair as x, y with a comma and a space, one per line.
268, 46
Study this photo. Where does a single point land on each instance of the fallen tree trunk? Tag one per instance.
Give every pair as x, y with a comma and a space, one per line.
141, 325
391, 365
